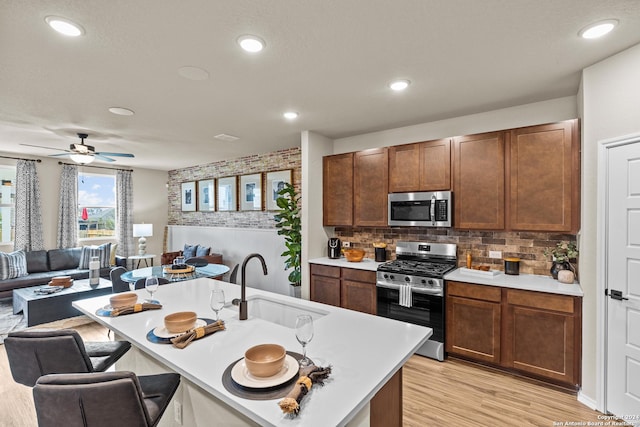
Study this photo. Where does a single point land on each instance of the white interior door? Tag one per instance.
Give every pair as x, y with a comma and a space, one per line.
623, 282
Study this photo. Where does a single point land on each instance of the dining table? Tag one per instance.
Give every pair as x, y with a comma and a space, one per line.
210, 270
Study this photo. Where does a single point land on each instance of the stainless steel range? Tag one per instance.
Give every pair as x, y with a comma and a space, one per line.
411, 289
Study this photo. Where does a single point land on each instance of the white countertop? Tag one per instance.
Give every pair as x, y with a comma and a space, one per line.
363, 350
528, 282
365, 264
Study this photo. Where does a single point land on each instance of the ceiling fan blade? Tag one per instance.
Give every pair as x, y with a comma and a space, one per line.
116, 154
99, 156
61, 154
48, 148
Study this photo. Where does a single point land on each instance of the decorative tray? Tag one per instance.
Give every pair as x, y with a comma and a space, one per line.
482, 273
169, 270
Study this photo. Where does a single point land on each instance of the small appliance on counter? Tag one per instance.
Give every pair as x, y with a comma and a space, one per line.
512, 266
334, 248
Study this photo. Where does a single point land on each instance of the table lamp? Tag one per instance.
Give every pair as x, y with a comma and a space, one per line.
142, 231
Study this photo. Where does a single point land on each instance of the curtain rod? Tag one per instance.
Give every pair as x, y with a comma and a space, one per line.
20, 158
92, 166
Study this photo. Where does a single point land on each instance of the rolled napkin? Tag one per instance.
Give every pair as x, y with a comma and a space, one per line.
134, 309
309, 375
181, 341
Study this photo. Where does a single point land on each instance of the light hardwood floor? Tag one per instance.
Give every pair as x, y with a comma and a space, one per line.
450, 393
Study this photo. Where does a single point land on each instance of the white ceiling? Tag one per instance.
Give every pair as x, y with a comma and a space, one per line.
330, 60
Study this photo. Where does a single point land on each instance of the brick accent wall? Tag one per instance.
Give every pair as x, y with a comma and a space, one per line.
528, 246
279, 160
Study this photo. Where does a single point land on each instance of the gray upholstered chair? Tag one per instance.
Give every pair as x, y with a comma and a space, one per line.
103, 399
35, 353
117, 284
161, 281
233, 276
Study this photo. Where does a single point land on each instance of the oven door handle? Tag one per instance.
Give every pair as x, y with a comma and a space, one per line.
435, 292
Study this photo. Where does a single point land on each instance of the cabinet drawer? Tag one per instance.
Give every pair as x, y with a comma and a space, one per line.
562, 303
325, 270
359, 275
480, 292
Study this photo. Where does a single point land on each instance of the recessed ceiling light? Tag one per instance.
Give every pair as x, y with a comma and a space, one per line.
290, 115
598, 29
251, 43
64, 26
193, 73
120, 111
399, 85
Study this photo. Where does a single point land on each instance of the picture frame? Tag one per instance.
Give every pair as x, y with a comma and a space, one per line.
226, 194
188, 196
206, 195
251, 192
275, 181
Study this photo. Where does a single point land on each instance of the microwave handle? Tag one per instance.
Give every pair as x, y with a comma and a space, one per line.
432, 209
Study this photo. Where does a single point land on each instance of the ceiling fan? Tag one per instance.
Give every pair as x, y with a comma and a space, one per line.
83, 153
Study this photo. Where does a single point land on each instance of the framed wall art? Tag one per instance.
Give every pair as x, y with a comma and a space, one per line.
189, 196
227, 194
251, 192
206, 195
275, 183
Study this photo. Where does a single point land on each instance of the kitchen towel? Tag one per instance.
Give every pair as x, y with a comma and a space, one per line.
136, 308
185, 339
405, 295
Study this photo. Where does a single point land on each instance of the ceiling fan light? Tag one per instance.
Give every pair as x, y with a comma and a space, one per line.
83, 159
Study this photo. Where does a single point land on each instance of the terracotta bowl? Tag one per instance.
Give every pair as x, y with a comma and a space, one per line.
123, 300
181, 321
354, 255
264, 360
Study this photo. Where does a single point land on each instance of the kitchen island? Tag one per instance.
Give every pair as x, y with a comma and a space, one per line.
366, 354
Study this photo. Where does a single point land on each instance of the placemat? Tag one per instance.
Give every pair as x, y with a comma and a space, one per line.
275, 392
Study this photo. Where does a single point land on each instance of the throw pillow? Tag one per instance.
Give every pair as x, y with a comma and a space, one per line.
103, 252
202, 251
189, 251
13, 265
112, 257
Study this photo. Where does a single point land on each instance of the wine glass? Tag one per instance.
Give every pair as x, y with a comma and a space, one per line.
304, 334
216, 301
151, 285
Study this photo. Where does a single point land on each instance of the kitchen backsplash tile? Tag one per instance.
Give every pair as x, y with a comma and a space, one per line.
528, 246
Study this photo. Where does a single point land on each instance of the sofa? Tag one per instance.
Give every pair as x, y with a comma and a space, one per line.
43, 265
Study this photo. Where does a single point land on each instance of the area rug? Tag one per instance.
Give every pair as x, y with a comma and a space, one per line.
10, 322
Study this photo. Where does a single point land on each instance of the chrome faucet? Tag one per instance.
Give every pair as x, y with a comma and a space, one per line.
243, 297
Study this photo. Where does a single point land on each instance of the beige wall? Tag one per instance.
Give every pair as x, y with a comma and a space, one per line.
150, 201
610, 96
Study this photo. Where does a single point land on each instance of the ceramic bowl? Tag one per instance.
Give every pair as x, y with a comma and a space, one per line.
354, 255
123, 300
264, 360
181, 321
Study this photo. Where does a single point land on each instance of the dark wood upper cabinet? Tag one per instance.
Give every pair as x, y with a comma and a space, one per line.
370, 178
544, 174
337, 190
424, 166
478, 181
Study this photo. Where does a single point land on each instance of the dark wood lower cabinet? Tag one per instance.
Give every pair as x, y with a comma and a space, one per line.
535, 333
344, 287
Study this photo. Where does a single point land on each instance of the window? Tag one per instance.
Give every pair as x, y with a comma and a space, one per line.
7, 203
96, 205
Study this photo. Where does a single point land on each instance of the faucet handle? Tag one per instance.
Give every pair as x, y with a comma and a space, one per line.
235, 301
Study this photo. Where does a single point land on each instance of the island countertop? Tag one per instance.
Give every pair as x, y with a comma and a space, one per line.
364, 351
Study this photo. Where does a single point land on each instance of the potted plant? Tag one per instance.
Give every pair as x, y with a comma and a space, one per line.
288, 225
561, 256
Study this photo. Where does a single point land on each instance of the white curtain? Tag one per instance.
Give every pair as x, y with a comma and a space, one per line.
68, 208
29, 236
124, 212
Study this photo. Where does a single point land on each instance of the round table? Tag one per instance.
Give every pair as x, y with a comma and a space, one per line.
209, 270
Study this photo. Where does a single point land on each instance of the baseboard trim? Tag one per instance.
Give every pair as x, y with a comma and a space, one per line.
587, 401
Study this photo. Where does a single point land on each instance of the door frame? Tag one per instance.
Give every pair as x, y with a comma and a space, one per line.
601, 262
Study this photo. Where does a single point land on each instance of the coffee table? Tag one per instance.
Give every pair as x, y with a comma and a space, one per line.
38, 308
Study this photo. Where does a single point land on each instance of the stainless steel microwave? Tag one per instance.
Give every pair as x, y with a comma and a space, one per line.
424, 209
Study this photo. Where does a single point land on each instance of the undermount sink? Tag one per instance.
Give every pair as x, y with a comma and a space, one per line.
279, 312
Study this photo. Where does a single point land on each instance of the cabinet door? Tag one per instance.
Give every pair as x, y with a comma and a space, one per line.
337, 190
404, 168
478, 182
359, 290
473, 329
544, 177
371, 185
435, 165
541, 335
325, 284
